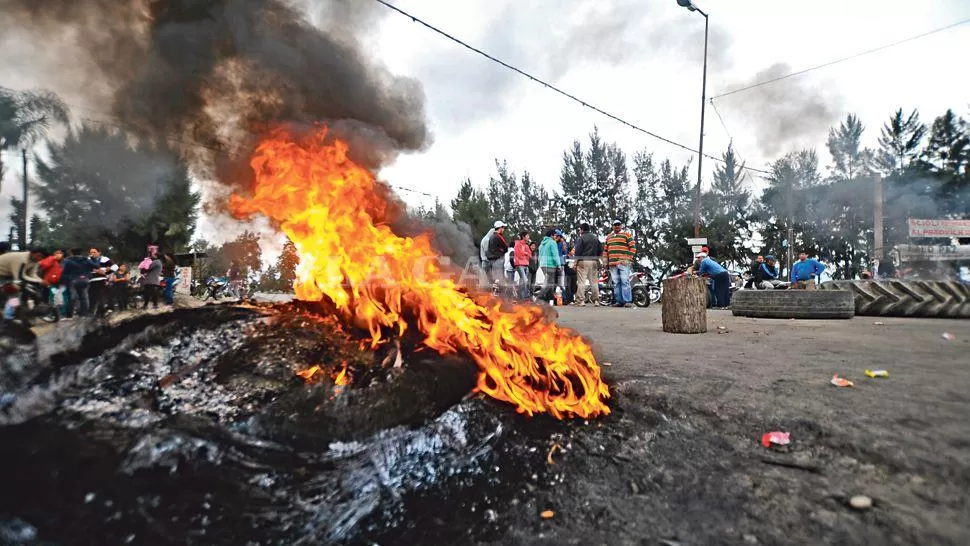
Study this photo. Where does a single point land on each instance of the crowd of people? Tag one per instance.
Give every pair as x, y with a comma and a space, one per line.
86, 283
568, 269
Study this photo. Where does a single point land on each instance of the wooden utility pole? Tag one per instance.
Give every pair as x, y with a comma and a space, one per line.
877, 225
23, 220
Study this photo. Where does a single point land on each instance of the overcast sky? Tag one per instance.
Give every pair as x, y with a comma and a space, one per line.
641, 59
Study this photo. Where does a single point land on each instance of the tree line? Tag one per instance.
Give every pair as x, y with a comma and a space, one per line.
923, 169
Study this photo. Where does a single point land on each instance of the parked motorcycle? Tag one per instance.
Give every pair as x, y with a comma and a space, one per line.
28, 302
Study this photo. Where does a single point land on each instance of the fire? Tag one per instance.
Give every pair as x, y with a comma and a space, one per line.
342, 379
336, 214
308, 373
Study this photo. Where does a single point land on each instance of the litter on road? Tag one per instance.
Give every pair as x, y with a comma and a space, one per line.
877, 373
776, 437
841, 381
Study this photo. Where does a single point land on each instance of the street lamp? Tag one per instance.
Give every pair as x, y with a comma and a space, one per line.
700, 147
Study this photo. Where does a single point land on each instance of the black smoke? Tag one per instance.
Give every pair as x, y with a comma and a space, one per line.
212, 75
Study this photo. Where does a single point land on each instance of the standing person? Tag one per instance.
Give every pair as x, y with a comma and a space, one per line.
120, 280
549, 262
521, 261
620, 250
51, 270
76, 278
497, 248
805, 271
168, 275
151, 276
533, 264
509, 265
588, 252
102, 266
720, 279
483, 252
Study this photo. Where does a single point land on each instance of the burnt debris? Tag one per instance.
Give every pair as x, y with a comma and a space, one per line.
192, 426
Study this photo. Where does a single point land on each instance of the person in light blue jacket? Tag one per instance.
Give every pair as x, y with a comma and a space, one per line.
805, 271
550, 260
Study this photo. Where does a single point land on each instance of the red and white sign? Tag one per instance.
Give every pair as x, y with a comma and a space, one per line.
939, 228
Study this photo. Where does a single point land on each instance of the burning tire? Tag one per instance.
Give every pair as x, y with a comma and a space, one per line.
894, 298
799, 304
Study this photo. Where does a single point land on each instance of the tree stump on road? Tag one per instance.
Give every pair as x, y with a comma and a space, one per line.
684, 306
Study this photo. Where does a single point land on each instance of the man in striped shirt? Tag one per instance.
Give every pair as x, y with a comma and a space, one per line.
620, 250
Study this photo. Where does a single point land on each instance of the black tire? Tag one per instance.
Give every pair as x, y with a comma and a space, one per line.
606, 296
655, 294
799, 304
641, 298
895, 298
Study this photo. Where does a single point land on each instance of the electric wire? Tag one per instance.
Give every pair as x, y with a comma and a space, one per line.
837, 61
550, 86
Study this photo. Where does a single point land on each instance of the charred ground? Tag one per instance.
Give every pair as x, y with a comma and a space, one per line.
191, 427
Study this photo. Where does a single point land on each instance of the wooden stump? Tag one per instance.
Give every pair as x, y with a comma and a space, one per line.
684, 307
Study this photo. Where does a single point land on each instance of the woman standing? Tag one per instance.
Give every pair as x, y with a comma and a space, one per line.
168, 274
151, 276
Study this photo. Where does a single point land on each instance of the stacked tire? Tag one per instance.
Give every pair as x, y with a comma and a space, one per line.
895, 298
797, 304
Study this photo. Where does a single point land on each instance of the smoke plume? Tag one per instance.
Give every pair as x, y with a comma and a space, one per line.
213, 74
785, 114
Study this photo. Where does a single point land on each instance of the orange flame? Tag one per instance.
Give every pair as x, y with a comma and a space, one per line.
342, 378
336, 214
308, 373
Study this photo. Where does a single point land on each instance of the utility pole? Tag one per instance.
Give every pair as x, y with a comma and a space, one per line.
689, 4
23, 220
877, 224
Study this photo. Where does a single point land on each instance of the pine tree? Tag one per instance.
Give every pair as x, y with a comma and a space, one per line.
596, 186
470, 207
16, 221
726, 208
644, 218
504, 195
286, 266
899, 142
535, 201
572, 180
845, 144
617, 189
96, 189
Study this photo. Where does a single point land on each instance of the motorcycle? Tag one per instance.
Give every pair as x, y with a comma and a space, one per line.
216, 287
27, 301
642, 287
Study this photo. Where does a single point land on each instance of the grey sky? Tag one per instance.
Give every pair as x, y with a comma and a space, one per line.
640, 59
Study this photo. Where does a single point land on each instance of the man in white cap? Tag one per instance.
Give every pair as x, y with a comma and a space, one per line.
720, 279
495, 252
483, 251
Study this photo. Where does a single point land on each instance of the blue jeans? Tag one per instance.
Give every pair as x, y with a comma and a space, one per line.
170, 290
622, 291
524, 290
79, 297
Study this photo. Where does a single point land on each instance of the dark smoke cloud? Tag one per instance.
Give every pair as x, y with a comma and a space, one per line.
785, 114
215, 73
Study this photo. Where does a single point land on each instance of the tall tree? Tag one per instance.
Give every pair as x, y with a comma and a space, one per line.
286, 266
572, 185
535, 202
787, 202
505, 195
617, 189
16, 221
644, 218
948, 149
597, 184
727, 211
26, 117
899, 142
849, 158
98, 189
470, 207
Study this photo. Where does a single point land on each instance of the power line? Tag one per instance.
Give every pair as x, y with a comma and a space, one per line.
716, 111
837, 61
549, 85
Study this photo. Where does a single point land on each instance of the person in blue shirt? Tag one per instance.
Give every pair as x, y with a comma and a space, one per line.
805, 271
720, 279
766, 276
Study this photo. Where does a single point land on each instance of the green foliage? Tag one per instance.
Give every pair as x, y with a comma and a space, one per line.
97, 189
471, 207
